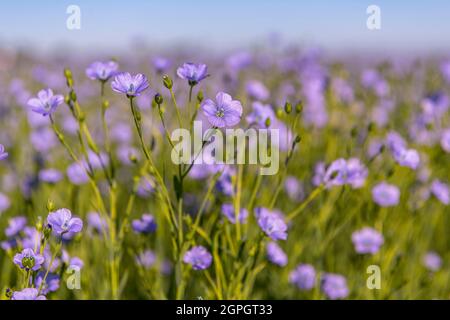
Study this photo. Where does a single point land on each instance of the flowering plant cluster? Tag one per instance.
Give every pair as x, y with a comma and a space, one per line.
362, 178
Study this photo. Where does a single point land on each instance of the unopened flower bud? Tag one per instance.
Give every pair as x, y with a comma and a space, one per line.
50, 205
158, 99
268, 122
279, 113
299, 107
73, 95
168, 83
288, 107
105, 104
200, 96
47, 231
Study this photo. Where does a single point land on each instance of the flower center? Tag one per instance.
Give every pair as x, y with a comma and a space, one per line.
131, 89
220, 113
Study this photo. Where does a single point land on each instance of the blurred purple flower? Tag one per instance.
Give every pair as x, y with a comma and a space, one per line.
271, 223
77, 174
146, 224
198, 257
50, 175
367, 240
441, 191
225, 112
51, 282
96, 222
319, 173
46, 102
294, 188
62, 222
15, 225
303, 277
445, 140
334, 286
229, 212
342, 171
432, 261
224, 184
192, 72
102, 71
257, 90
4, 202
276, 255
161, 64
146, 259
27, 294
260, 114
29, 260
130, 85
3, 153
385, 195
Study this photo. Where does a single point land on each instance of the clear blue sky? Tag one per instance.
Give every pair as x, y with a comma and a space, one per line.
406, 25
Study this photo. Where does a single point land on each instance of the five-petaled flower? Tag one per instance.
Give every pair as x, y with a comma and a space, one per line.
193, 73
224, 112
198, 257
29, 260
102, 71
46, 102
132, 86
62, 222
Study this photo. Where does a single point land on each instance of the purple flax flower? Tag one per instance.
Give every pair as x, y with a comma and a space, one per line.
385, 195
46, 102
146, 259
77, 174
15, 225
130, 85
367, 240
225, 112
62, 222
146, 187
260, 114
319, 173
445, 141
229, 212
303, 276
50, 175
441, 191
224, 183
192, 72
51, 282
334, 286
27, 294
3, 153
31, 239
96, 222
432, 261
102, 71
342, 171
198, 257
28, 260
271, 223
161, 64
407, 158
146, 224
257, 90
276, 255
294, 188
